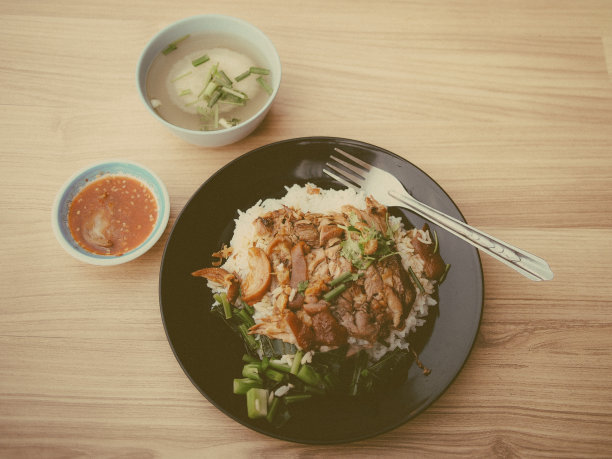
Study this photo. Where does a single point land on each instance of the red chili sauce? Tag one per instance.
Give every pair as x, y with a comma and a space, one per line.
112, 215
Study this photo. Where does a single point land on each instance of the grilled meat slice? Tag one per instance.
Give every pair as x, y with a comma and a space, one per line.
258, 279
306, 231
314, 308
316, 288
320, 328
327, 330
317, 264
279, 253
270, 223
222, 277
374, 216
275, 327
373, 284
353, 312
336, 263
433, 264
299, 274
377, 215
378, 301
304, 335
277, 222
399, 291
328, 231
359, 324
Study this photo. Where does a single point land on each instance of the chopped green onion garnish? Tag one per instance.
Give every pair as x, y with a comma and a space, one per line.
252, 373
201, 95
200, 60
252, 369
248, 339
214, 98
341, 279
435, 236
274, 375
279, 366
232, 99
264, 84
388, 255
209, 89
242, 76
259, 71
233, 92
309, 375
416, 279
297, 398
249, 359
273, 409
204, 111
297, 360
181, 76
244, 316
185, 92
216, 126
206, 81
443, 276
257, 403
222, 79
250, 309
302, 286
227, 308
172, 46
243, 385
334, 293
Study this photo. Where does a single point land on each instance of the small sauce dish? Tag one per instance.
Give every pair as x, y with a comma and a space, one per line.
111, 212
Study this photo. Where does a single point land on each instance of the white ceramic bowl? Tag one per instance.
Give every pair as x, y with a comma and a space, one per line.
235, 29
61, 206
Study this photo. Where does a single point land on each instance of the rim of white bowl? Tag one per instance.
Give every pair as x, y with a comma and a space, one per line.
142, 91
110, 260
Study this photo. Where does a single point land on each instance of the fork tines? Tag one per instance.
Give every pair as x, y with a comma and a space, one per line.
363, 164
357, 179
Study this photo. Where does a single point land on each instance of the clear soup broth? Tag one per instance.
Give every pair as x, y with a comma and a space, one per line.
179, 82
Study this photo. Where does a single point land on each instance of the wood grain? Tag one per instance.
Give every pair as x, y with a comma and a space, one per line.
506, 104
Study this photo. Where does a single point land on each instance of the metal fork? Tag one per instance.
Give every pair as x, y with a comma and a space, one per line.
388, 190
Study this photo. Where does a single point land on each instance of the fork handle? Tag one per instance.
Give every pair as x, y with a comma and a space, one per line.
524, 262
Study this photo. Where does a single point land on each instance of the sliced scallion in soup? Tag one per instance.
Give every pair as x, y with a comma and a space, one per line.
201, 82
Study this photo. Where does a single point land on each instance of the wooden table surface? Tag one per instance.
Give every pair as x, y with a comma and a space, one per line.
507, 104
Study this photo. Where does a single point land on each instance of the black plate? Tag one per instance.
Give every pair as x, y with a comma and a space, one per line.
210, 353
